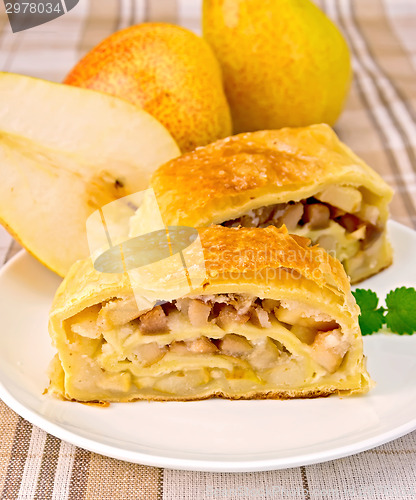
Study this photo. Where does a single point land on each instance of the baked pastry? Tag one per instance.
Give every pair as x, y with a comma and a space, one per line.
271, 317
304, 178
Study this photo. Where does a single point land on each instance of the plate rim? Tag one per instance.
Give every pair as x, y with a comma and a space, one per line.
196, 464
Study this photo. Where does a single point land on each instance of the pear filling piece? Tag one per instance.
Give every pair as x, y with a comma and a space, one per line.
228, 345
338, 219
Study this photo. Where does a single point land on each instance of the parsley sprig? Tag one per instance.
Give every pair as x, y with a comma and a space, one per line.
399, 314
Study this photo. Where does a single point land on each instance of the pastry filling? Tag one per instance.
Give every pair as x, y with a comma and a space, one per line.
233, 341
338, 219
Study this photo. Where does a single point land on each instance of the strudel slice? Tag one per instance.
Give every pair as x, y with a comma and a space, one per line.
305, 178
272, 318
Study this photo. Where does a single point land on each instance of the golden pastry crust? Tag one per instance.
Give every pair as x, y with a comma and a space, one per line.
272, 248
221, 181
247, 251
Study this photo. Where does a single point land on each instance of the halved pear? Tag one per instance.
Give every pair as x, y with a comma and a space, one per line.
64, 152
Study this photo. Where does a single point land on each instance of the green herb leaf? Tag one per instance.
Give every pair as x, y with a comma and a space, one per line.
372, 317
401, 314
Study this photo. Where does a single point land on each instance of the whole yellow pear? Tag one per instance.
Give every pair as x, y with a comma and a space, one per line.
166, 70
284, 62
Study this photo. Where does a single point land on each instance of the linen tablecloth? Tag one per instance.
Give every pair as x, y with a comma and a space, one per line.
379, 124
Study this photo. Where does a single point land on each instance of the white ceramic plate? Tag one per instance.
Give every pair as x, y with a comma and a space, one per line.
212, 435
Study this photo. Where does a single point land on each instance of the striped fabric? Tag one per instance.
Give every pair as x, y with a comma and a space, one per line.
379, 124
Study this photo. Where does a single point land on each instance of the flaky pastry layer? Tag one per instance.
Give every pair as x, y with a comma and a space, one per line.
232, 179
261, 324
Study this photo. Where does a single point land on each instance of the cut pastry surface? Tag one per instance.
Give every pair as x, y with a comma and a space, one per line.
305, 178
262, 324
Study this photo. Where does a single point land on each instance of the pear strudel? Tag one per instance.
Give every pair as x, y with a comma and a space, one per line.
305, 178
273, 318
